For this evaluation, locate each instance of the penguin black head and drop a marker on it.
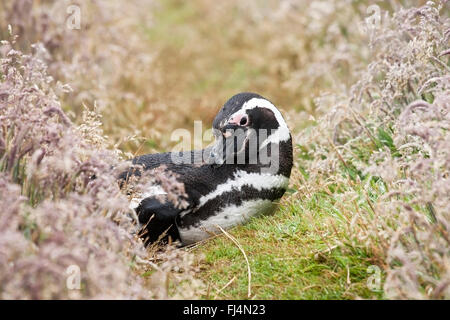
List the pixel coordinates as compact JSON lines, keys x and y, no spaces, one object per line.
{"x":246,"y":123}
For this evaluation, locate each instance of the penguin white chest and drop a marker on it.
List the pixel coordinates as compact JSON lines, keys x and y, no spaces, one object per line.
{"x":228,"y":217}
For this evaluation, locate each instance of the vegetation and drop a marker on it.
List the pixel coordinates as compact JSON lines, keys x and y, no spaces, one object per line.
{"x":365,"y":87}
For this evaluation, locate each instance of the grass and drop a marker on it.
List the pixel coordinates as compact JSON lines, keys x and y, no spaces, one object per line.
{"x":177,"y":63}
{"x":306,"y":250}
{"x":290,"y":258}
{"x":303,"y":251}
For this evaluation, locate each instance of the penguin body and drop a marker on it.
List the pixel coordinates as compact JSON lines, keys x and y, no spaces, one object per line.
{"x":230,"y":184}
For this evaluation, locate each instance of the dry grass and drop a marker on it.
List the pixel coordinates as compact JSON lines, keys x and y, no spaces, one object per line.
{"x":63,"y":217}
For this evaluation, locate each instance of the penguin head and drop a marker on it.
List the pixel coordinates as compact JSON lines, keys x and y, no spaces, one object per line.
{"x":246,"y":123}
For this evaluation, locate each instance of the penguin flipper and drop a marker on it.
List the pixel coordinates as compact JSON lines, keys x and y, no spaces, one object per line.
{"x":158,"y":220}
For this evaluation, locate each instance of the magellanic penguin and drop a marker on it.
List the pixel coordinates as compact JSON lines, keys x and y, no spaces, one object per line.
{"x":241,"y":175}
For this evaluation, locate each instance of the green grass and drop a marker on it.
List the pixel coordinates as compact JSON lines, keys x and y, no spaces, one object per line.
{"x":290,"y":258}
{"x":306,"y":250}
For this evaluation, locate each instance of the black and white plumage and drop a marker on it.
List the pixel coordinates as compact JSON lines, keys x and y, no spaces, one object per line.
{"x":233,"y":183}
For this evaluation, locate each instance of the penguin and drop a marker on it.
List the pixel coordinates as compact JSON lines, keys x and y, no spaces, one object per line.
{"x":241,"y":175}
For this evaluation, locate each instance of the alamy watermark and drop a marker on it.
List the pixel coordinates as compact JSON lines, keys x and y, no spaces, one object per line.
{"x":73,"y":20}
{"x":373,"y":20}
{"x":73,"y":280}
{"x":374,"y":281}
{"x":230,"y":146}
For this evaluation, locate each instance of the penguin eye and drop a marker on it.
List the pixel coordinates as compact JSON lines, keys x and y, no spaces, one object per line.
{"x":244,"y":121}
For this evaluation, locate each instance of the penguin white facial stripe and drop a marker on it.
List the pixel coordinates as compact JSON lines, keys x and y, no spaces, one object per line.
{"x":226,"y":218}
{"x":241,"y":178}
{"x":279,"y":135}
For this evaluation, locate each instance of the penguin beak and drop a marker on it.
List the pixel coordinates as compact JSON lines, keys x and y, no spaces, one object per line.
{"x":229,"y":141}
{"x":217,"y":154}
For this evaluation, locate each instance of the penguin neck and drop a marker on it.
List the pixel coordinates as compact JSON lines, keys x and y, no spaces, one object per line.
{"x":274,"y":158}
